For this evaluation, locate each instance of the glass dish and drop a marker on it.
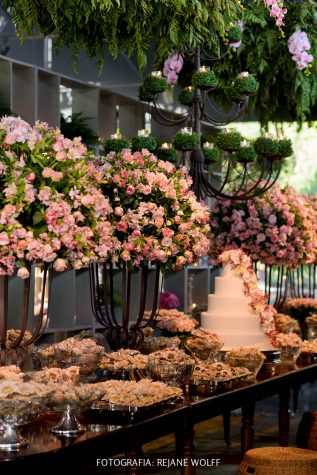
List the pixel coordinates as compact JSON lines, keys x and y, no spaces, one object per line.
{"x":252,"y":364}
{"x":171,"y":373}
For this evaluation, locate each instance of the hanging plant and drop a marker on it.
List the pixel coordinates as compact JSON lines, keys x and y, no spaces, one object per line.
{"x":146,"y":142}
{"x":154,"y":85}
{"x":228,"y":140}
{"x":166,"y":154}
{"x":115,"y":144}
{"x":266,"y":147}
{"x":183,"y":141}
{"x":246,"y":84}
{"x":245,"y":155}
{"x":285,"y":148}
{"x":234,"y":34}
{"x":186,"y":96}
{"x":211,"y":154}
{"x":204,"y":79}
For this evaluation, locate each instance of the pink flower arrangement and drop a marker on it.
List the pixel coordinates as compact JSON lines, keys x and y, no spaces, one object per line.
{"x":298,"y":46}
{"x":278,"y":228}
{"x":156,"y":217}
{"x":172,"y":66}
{"x":241,"y":265}
{"x":182,"y":324}
{"x":51,"y":209}
{"x":277,"y":11}
{"x":169,"y":300}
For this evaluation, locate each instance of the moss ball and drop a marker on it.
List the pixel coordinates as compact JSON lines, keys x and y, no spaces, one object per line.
{"x":138,"y":143}
{"x":246,"y":85}
{"x":166,"y":154}
{"x":186,"y":141}
{"x":228,"y":141}
{"x":285,"y":148}
{"x":154,"y":85}
{"x":204,"y":79}
{"x":145,"y":95}
{"x":266,"y":147}
{"x":245,"y":155}
{"x":211,"y":155}
{"x":186,"y":96}
{"x":234,"y":34}
{"x":115,"y":145}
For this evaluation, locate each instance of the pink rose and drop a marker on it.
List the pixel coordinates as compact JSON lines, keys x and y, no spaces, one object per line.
{"x":60,"y":265}
{"x":23,"y":273}
{"x":130,"y":189}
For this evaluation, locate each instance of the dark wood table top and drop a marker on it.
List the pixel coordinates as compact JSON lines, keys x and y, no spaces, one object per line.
{"x":110,"y":435}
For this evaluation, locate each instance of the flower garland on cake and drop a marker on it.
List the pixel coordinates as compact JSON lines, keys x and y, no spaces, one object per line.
{"x":241,"y":265}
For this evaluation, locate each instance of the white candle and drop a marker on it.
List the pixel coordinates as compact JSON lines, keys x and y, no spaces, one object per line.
{"x":208,"y":145}
{"x":245,"y":74}
{"x":143,"y":133}
{"x":165,"y":145}
{"x":189,"y":88}
{"x":244,"y":144}
{"x":204,"y":69}
{"x":156,"y":74}
{"x":115,"y":136}
{"x":187,"y":130}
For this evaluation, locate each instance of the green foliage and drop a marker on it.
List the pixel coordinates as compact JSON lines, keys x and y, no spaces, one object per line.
{"x":125,"y":25}
{"x":144,"y":142}
{"x":285,"y":148}
{"x":144,"y":95}
{"x":186,"y":96}
{"x":167,"y":154}
{"x":246,"y":85}
{"x":245,"y":155}
{"x":228,"y":141}
{"x":186,"y":141}
{"x":115,"y":145}
{"x":154,"y":85}
{"x":234,"y":34}
{"x":206,"y":79}
{"x":285,"y":93}
{"x":266,"y":147}
{"x":211,"y":155}
{"x":76,"y":126}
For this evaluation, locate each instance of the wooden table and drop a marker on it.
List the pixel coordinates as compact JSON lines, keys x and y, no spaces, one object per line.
{"x":103,"y":439}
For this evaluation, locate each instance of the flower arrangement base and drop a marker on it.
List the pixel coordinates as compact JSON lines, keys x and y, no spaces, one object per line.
{"x":15,"y":350}
{"x":123,"y":333}
{"x":68,"y":426}
{"x":11,"y":440}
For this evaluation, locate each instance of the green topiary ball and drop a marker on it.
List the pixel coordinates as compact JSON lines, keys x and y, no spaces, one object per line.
{"x":266,"y":147}
{"x":234,"y":96}
{"x":234,"y":34}
{"x":285,"y":148}
{"x":204,"y":79}
{"x":246,"y":84}
{"x":245,"y":155}
{"x":186,"y":141}
{"x":138,"y":143}
{"x":154,"y":84}
{"x":115,"y":145}
{"x":211,"y":155}
{"x":145,"y":95}
{"x":166,"y":154}
{"x":186,"y":96}
{"x":228,"y":140}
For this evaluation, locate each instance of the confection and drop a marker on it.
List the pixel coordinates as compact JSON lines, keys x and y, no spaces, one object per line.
{"x":231,"y":315}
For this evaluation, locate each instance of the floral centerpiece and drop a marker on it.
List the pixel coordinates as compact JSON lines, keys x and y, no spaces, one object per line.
{"x":300,"y":309}
{"x":155,"y":215}
{"x":51,"y":209}
{"x":277,"y":228}
{"x":241,"y":265}
{"x":177,"y":326}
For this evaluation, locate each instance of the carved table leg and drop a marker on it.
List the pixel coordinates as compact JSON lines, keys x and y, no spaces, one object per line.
{"x":226,"y":417}
{"x":247,"y":431}
{"x":284,"y":417}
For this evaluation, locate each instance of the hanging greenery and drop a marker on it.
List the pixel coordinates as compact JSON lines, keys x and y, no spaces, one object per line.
{"x":286,"y":93}
{"x":127,"y":26}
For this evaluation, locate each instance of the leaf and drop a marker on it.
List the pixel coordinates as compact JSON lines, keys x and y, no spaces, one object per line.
{"x":38,"y":217}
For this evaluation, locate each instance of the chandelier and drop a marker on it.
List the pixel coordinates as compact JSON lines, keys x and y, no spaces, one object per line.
{"x":239,"y":174}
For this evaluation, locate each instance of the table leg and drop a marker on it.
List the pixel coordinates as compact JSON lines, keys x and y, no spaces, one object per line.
{"x":226,"y":418}
{"x":133,"y":454}
{"x":296,"y":390}
{"x":184,"y":441}
{"x":247,"y":431}
{"x":284,"y":417}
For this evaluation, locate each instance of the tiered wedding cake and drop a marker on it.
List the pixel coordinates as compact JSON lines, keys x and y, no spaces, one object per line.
{"x":238,"y":311}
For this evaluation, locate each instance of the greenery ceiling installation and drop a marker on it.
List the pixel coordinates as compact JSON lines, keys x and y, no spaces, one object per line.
{"x":136,"y":26}
{"x":128,"y":26}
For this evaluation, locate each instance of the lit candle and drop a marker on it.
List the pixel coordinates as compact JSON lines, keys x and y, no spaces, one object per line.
{"x":165,"y":145}
{"x":189,"y":88}
{"x":208,"y":145}
{"x":204,"y":69}
{"x":115,"y":136}
{"x":143,"y":133}
{"x":244,"y":144}
{"x":268,"y":136}
{"x":156,"y":74}
{"x":187,"y":130}
{"x":245,"y":74}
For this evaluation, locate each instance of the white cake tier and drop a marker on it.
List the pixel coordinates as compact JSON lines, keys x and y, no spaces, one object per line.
{"x":234,"y":333}
{"x":226,"y":306}
{"x":229,"y":287}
